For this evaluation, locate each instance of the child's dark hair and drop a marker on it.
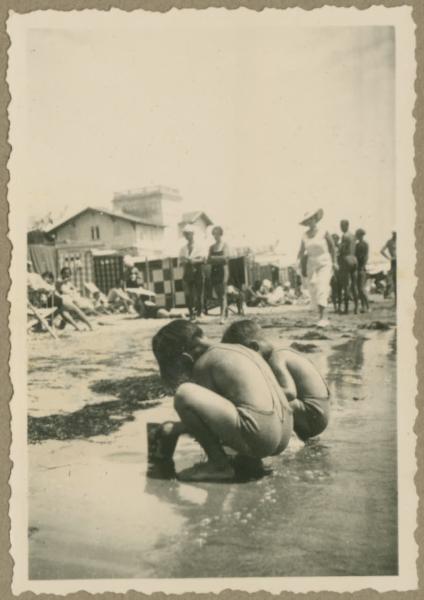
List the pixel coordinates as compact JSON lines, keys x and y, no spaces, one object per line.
{"x":169,"y":344}
{"x":242,"y":332}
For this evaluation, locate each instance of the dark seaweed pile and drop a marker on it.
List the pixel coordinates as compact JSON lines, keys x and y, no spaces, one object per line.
{"x":134,"y":393}
{"x":305,"y":347}
{"x":376,"y":325}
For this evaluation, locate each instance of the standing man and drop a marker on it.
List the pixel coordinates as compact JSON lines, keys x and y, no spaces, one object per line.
{"x":361,"y":253}
{"x":390,"y":247}
{"x":192,"y":259}
{"x":348,"y":266}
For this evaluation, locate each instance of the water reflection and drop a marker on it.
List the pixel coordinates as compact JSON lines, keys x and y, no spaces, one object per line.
{"x":345,"y":365}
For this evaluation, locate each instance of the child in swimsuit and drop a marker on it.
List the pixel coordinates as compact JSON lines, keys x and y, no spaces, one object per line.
{"x":303,"y":386}
{"x":232,"y":399}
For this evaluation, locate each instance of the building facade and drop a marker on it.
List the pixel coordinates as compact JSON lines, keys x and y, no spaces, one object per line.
{"x":98,"y":228}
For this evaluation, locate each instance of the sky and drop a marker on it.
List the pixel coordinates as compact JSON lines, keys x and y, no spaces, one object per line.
{"x":254,"y":123}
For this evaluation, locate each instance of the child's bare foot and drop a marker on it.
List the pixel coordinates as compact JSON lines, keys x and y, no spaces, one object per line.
{"x":207,"y":472}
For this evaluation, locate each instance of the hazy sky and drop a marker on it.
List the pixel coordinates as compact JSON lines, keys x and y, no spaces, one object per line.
{"x":253,"y":124}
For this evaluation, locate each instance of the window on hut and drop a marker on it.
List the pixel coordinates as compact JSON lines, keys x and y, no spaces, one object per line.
{"x":95,"y":232}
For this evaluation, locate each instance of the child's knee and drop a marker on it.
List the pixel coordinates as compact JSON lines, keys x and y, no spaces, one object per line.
{"x":183,"y":396}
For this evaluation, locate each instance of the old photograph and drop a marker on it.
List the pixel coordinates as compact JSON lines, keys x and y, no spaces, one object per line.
{"x":212,"y":300}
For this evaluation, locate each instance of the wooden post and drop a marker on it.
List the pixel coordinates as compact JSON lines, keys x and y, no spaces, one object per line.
{"x":148,"y":275}
{"x":173,"y":293}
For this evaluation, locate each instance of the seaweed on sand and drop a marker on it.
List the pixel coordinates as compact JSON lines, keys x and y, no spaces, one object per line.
{"x":377,"y":325}
{"x":312,"y":335}
{"x":305,"y":347}
{"x":134,"y":393}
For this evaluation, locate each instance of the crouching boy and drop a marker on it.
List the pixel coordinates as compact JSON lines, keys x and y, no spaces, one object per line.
{"x":301,"y":382}
{"x":232,"y":399}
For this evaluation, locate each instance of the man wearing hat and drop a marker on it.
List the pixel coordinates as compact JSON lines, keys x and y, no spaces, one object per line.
{"x":317,"y":258}
{"x":192,"y":259}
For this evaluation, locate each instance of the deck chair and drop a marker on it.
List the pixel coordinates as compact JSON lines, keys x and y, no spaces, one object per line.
{"x":98,"y":298}
{"x":232,"y":305}
{"x":40,"y":315}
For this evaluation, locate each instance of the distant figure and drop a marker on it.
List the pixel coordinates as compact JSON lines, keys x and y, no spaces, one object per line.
{"x":65,"y":302}
{"x":317,"y":257}
{"x":276,"y":296}
{"x":218,"y":259}
{"x":134,"y":278}
{"x":336,"y":289}
{"x":251,"y":294}
{"x":66,"y":288}
{"x":348,"y":266}
{"x":192,"y":259}
{"x":361,"y":253}
{"x":390,"y":247}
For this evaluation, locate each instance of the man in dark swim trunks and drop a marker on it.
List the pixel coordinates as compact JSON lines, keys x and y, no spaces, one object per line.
{"x":336,"y":291}
{"x":348,"y":270}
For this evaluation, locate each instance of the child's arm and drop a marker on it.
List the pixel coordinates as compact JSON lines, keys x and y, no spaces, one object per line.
{"x":282,"y":375}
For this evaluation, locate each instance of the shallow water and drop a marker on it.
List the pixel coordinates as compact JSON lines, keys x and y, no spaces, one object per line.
{"x":329,"y":508}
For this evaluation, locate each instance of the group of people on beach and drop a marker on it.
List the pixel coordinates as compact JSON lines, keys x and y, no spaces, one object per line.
{"x":338,"y":263}
{"x":71,"y":308}
{"x":244,"y":394}
{"x":204,"y":269}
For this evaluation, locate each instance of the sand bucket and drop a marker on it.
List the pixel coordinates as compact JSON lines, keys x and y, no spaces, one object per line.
{"x":153,"y":440}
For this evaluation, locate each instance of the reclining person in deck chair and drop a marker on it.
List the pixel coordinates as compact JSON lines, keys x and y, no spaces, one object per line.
{"x":42,"y":294}
{"x":65,"y":287}
{"x":65,"y":303}
{"x":119,"y":299}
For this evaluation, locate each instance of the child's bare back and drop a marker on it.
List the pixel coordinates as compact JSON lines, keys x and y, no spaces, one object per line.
{"x":240,"y":375}
{"x":301,"y":382}
{"x":309,"y":382}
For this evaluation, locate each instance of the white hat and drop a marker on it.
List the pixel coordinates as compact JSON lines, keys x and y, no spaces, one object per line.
{"x":318,"y":213}
{"x":189,"y":228}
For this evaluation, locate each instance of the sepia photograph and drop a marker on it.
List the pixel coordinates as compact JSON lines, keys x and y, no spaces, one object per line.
{"x":212,"y":300}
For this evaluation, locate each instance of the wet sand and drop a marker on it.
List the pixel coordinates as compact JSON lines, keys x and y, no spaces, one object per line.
{"x":328,"y":508}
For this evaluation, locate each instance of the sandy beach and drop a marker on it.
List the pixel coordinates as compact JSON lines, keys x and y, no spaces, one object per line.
{"x":94,"y":512}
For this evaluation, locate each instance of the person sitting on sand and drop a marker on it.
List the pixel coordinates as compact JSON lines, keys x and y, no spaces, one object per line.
{"x":276,"y":295}
{"x":301,"y":382}
{"x":118,"y":298}
{"x":252,"y":294}
{"x":232,"y":399}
